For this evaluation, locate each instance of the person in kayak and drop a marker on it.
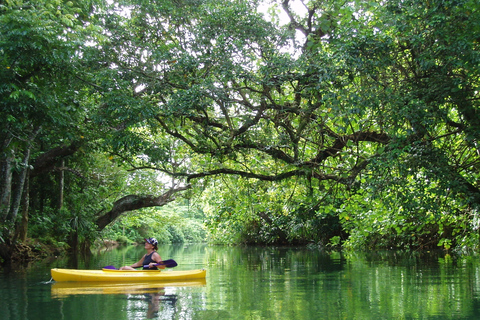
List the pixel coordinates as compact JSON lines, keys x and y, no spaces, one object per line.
{"x":149,"y":260}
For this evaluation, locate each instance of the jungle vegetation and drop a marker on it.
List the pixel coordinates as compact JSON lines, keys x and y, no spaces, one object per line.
{"x":349,"y":124}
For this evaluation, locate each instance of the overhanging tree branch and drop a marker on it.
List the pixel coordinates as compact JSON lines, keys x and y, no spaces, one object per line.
{"x":135,"y":202}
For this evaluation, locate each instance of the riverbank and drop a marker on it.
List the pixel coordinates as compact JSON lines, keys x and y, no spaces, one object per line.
{"x":32,"y":250}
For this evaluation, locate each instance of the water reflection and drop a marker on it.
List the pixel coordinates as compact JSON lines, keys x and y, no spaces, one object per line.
{"x":259,"y":283}
{"x":143,"y":300}
{"x":61,"y":290}
{"x":152,"y":305}
{"x":168,"y":302}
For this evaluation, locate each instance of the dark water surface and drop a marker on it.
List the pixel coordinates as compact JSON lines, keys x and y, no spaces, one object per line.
{"x":257,"y":283}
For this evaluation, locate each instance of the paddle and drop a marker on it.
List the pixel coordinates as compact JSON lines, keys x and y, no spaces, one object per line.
{"x":170,"y":263}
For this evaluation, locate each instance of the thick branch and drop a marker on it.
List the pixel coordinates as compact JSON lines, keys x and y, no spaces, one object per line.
{"x":46,"y":162}
{"x":278,"y":177}
{"x":341,"y":142}
{"x":243,"y":174}
{"x":134,"y":202}
{"x":293,"y":22}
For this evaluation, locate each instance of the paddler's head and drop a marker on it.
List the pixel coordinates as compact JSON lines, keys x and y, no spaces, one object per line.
{"x":153,"y":242}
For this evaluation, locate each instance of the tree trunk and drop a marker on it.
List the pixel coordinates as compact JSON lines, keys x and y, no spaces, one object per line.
{"x":6,"y":180}
{"x":20,"y":183}
{"x":23,"y":226}
{"x":61,"y":183}
{"x":134,"y":202}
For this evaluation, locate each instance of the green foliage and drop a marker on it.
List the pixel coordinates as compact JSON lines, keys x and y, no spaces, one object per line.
{"x":388,"y":216}
{"x":356,"y":124}
{"x":261,"y":213}
{"x":395,"y":69}
{"x":123,"y":240}
{"x":170,"y":224}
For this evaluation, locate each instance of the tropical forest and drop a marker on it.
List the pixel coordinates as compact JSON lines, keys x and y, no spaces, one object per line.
{"x":344,"y":125}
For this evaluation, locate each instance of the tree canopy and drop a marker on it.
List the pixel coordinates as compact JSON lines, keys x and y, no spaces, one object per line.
{"x":339,"y":123}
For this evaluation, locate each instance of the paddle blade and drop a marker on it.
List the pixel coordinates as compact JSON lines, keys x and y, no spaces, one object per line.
{"x":170,"y":263}
{"x":110,"y":267}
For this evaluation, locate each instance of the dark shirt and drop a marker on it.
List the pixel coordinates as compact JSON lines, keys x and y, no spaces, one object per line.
{"x":148,"y":259}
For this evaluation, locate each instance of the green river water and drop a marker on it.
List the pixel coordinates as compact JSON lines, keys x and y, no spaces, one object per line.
{"x":258,"y":283}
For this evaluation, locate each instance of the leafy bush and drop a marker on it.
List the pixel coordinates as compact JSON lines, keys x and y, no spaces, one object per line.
{"x":123,"y":240}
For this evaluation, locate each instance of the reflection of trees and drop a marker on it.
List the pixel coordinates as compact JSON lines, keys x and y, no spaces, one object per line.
{"x":297,"y":283}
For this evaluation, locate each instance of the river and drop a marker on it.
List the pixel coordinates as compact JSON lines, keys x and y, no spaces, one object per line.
{"x":257,"y":283}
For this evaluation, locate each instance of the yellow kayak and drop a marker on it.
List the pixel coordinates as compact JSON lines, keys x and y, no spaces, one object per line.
{"x":108,"y":275}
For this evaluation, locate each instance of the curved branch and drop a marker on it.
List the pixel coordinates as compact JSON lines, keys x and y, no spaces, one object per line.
{"x":293,"y":22}
{"x":243,"y":174}
{"x":134,"y":202}
{"x":341,"y":142}
{"x":46,"y":161}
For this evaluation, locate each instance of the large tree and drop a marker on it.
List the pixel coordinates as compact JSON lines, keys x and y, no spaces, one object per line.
{"x":51,"y":124}
{"x":335,"y":96}
{"x":39,"y":40}
{"x":359,"y":115}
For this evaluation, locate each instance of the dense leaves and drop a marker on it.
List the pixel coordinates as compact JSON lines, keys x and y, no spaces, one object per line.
{"x":350,"y":124}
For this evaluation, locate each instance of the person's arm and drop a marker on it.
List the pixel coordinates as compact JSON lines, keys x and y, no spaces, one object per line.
{"x":156,"y":257}
{"x":135,"y":265}
{"x":139,"y":263}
